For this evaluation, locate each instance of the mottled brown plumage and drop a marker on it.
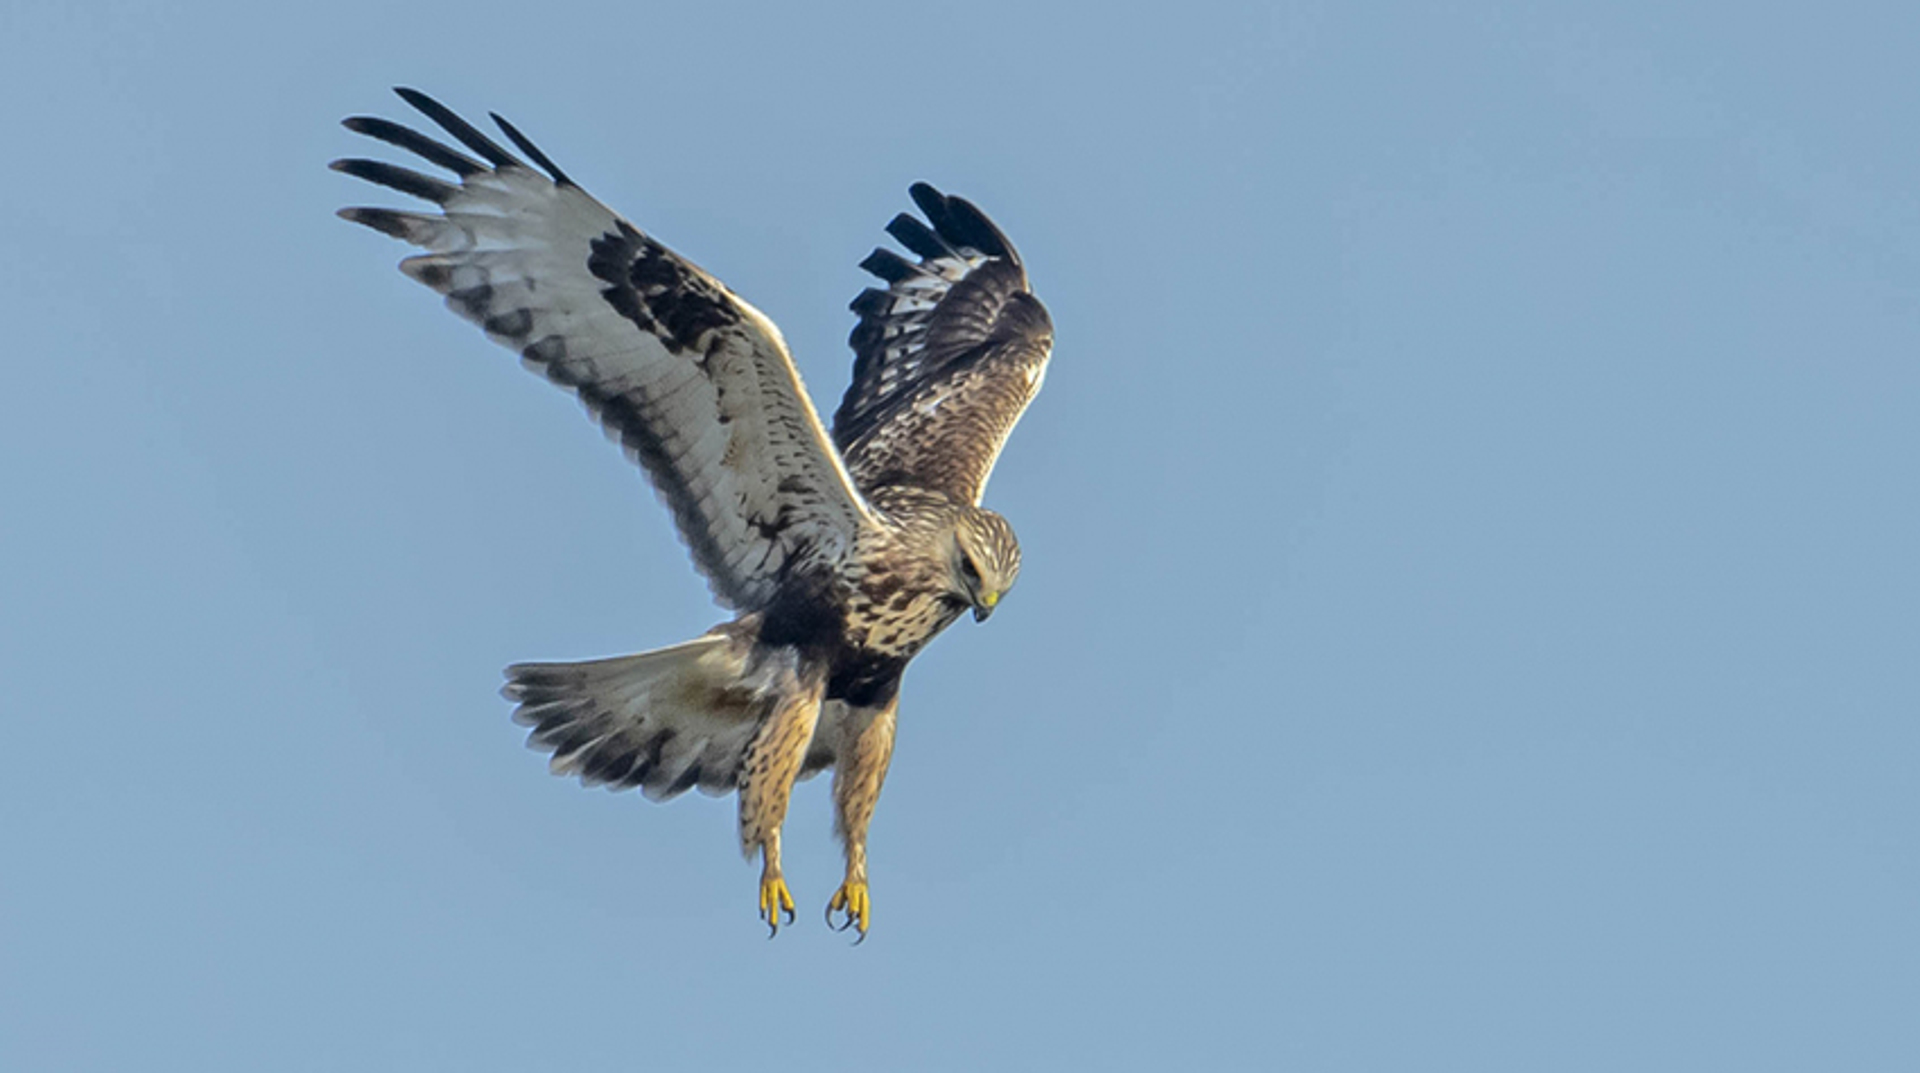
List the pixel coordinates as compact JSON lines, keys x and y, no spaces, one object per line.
{"x":843,"y":556}
{"x":946,"y":358}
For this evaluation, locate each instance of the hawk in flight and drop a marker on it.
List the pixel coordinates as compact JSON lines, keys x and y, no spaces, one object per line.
{"x":842,"y":554}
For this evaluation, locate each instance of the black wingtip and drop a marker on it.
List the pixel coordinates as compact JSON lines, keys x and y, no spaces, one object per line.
{"x":872,"y":302}
{"x":931,"y":201}
{"x":467,"y":134}
{"x":960,"y":223}
{"x":385,"y":221}
{"x":532,"y":150}
{"x":398,"y":178}
{"x":386,"y":130}
{"x":888,"y":265}
{"x":420,"y":101}
{"x":916,"y":236}
{"x":937,"y":208}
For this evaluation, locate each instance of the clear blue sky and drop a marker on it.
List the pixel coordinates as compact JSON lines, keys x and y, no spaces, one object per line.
{"x":1470,"y":617}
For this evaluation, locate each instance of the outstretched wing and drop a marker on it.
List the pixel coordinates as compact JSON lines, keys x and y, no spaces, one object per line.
{"x":946,"y":358}
{"x":695,"y":383}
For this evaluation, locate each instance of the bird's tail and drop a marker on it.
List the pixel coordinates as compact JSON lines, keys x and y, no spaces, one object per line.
{"x":665,"y":720}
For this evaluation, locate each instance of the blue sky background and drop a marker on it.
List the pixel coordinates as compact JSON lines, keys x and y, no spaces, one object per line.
{"x":1470,"y":617}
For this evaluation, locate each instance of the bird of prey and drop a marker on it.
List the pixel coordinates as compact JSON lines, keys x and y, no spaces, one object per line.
{"x":841,"y":555}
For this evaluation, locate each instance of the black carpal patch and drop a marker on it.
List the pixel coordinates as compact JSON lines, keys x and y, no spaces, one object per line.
{"x":610,"y":255}
{"x":627,"y":303}
{"x":653,"y":272}
{"x":688,"y":314}
{"x":656,"y":291}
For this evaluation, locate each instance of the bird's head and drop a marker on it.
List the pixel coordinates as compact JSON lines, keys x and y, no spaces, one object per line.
{"x":985,"y":560}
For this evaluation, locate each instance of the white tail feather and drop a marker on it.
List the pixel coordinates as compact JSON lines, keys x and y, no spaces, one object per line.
{"x":664,"y":721}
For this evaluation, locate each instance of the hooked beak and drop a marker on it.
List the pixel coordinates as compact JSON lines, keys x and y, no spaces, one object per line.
{"x":988,"y":601}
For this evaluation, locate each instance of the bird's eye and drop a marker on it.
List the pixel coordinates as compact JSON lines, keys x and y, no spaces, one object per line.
{"x":967,"y":568}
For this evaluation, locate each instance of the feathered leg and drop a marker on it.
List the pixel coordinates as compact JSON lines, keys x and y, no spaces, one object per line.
{"x":864,"y":750}
{"x":772,"y":762}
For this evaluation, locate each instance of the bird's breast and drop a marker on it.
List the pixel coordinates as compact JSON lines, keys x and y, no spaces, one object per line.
{"x":895,"y":614}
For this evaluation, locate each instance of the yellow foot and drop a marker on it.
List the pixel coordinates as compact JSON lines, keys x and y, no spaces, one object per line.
{"x":852,"y":900}
{"x":775,"y":900}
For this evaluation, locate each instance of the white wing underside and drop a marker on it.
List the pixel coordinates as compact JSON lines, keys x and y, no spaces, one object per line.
{"x":696,"y":384}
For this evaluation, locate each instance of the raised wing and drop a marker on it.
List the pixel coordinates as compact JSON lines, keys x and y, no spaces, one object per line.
{"x":694,"y":383}
{"x":946,"y":358}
